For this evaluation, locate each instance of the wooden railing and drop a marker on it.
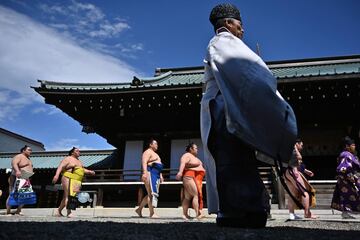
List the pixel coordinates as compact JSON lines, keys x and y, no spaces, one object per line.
{"x":121,"y":175}
{"x":132,"y":176}
{"x":129,"y":180}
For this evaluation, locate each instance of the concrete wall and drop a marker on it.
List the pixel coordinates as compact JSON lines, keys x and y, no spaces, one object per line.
{"x":12,"y":144}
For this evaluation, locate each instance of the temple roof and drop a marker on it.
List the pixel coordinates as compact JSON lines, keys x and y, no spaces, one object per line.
{"x":51,"y":159}
{"x":192,"y":76}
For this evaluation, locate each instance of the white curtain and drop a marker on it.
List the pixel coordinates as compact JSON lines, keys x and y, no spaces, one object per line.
{"x":178,"y":149}
{"x":132,"y":158}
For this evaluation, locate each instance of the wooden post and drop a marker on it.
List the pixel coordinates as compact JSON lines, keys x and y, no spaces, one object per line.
{"x":42,"y":195}
{"x":95,"y":198}
{"x":281,"y":195}
{"x":100,"y":197}
{"x":279,"y":189}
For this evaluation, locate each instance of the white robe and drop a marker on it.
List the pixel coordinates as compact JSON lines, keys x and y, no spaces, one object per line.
{"x":255,"y":112}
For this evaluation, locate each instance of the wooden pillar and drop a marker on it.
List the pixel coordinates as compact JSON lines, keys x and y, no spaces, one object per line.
{"x":279,"y":189}
{"x":95,"y":198}
{"x":42,"y":196}
{"x":100,"y":197}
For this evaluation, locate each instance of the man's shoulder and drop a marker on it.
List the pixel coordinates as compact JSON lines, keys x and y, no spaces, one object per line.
{"x":186,"y":155}
{"x":346,"y":154}
{"x":18,"y":156}
{"x":148,"y":151}
{"x":223,"y":35}
{"x":67,"y":158}
{"x":221,"y":41}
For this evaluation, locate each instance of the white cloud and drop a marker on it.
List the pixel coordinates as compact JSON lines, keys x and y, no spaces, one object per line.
{"x":46,"y":109}
{"x":92,"y":12}
{"x":66,"y":143}
{"x":11,"y":103}
{"x":20,"y":2}
{"x":39,"y":110}
{"x":31,"y":51}
{"x":137,"y":47}
{"x":128,"y":50}
{"x":59,"y":26}
{"x":53,"y":9}
{"x":84,"y":19}
{"x":53,"y":110}
{"x":90,"y":27}
{"x":107,"y":30}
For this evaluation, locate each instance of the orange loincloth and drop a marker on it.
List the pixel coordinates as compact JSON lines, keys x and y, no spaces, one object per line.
{"x":198,"y":177}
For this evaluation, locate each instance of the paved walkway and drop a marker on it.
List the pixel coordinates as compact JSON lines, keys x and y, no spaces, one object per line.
{"x":123,"y":223}
{"x":166,"y":214}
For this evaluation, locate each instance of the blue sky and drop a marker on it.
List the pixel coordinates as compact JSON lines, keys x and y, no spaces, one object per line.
{"x":111,"y":41}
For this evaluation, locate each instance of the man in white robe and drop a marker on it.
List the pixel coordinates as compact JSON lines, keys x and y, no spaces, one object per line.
{"x":241,"y":111}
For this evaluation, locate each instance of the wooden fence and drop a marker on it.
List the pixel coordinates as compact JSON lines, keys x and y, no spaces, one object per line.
{"x":124,"y":186}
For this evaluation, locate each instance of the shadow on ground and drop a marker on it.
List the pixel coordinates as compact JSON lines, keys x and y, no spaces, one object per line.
{"x":148,"y":231}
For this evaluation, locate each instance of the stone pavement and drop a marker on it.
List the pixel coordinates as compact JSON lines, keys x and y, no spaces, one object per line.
{"x":168,"y":214}
{"x":123,"y":223}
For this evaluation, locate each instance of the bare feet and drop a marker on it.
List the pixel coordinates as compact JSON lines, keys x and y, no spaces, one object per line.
{"x":186,"y":217}
{"x":311,"y":216}
{"x":19,"y":213}
{"x":201,"y":216}
{"x":154,"y":216}
{"x":58,"y":213}
{"x":138,"y":211}
{"x":70,"y":215}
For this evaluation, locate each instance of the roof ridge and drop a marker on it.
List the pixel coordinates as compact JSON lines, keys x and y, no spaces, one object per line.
{"x":312,"y":64}
{"x":47,"y":82}
{"x":193,"y":75}
{"x":155,"y":78}
{"x":60,"y":152}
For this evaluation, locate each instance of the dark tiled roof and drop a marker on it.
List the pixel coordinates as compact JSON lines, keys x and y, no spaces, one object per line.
{"x":193,"y":76}
{"x":52,"y":159}
{"x":319,"y":70}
